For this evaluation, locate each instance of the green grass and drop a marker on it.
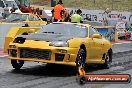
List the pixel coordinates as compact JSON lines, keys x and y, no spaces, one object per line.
{"x":120,"y":5}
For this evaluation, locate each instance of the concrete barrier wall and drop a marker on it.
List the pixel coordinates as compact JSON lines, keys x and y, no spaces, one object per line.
{"x":112,"y":17}
{"x":14,"y":31}
{"x":4,"y":28}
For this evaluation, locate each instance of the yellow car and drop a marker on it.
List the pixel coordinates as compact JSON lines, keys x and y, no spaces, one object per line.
{"x":62,"y":43}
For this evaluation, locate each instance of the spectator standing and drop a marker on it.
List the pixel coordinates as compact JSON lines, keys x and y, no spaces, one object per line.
{"x":58,"y":11}
{"x":77,"y":18}
{"x":38,"y":12}
{"x":66,"y":16}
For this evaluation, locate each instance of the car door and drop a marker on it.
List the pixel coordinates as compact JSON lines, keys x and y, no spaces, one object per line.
{"x":90,"y":46}
{"x":97,"y":45}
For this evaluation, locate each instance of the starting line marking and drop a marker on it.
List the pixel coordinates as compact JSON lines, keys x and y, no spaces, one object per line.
{"x":121,"y":43}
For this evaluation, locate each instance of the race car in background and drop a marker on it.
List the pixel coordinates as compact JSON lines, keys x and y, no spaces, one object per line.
{"x":14,"y":22}
{"x":62,"y":43}
{"x":29,"y":18}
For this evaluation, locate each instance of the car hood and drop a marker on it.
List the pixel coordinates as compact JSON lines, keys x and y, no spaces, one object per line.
{"x":47,"y":37}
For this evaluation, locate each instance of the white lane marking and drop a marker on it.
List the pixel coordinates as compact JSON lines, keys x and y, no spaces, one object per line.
{"x":121,"y":43}
{"x":3,"y":56}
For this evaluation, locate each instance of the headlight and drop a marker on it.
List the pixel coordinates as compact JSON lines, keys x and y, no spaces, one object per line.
{"x":59,"y":44}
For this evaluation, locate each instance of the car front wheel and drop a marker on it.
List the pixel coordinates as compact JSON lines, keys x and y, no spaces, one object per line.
{"x":81,"y":58}
{"x":17,"y":64}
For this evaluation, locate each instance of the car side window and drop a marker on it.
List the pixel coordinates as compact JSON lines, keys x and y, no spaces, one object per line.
{"x":92,"y":31}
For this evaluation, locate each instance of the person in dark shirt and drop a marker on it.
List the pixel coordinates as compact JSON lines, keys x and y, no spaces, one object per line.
{"x":66,"y":15}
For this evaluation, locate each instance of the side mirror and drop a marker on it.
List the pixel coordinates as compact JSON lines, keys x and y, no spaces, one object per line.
{"x":96,"y":36}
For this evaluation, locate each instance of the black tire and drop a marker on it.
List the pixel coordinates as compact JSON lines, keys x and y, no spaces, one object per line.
{"x":81,"y":58}
{"x":17,"y":64}
{"x":51,"y":65}
{"x":108,"y":61}
{"x":81,"y":80}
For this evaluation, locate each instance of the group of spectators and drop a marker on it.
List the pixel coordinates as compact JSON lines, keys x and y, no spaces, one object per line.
{"x":60,"y":14}
{"x":28,"y":9}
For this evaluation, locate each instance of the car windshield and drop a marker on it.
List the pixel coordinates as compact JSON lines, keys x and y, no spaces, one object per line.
{"x":16,"y":17}
{"x":65,"y":29}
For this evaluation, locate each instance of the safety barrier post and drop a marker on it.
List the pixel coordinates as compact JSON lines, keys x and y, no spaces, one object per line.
{"x":116,"y":36}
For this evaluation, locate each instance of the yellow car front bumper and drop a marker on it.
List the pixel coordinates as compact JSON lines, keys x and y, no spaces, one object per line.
{"x":58,"y":55}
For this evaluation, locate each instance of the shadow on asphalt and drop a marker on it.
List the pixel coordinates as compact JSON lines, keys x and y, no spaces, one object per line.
{"x":52,"y":70}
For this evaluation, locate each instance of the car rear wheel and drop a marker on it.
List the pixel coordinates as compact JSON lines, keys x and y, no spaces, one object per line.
{"x":17,"y":64}
{"x":81,"y":58}
{"x":108,"y":61}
